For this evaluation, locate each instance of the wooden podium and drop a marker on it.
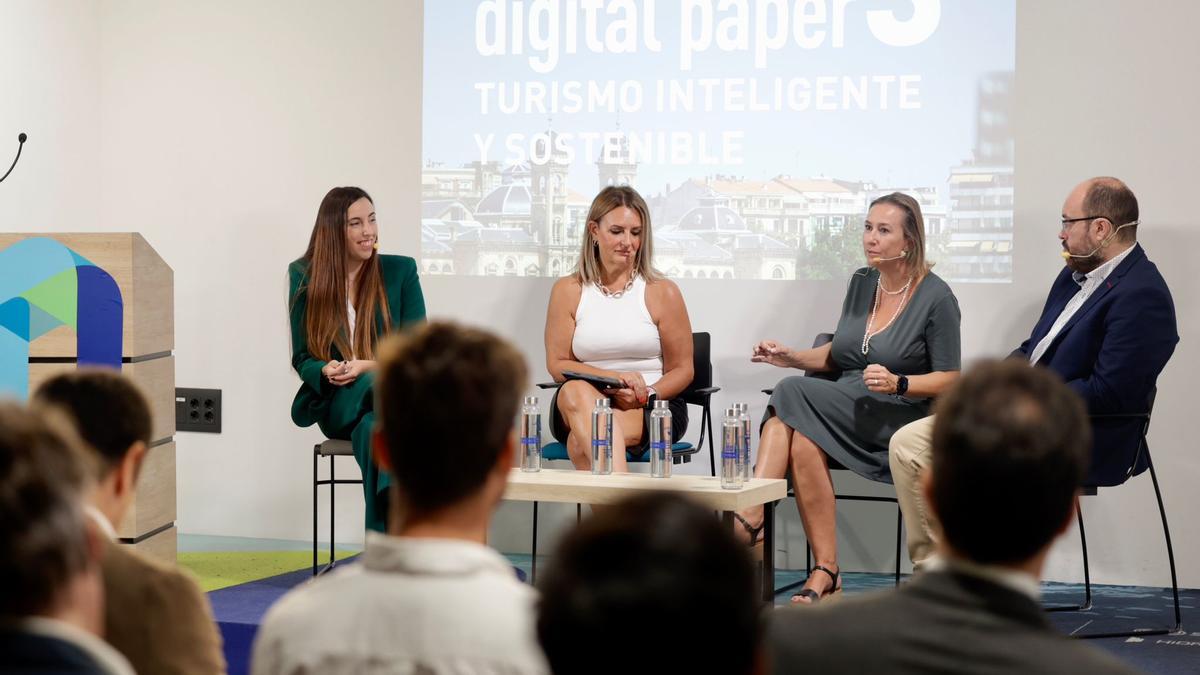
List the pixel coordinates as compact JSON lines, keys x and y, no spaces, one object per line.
{"x":98,"y":299}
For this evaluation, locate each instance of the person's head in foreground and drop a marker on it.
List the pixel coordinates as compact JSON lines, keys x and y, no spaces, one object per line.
{"x":49,"y":556}
{"x":640,"y":570}
{"x":446,"y":402}
{"x":1011,"y":445}
{"x":113,"y":419}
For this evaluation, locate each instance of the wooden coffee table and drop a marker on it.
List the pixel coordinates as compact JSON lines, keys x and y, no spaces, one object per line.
{"x":582,"y":487}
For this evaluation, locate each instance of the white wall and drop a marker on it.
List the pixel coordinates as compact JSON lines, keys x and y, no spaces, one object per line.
{"x":215,"y":128}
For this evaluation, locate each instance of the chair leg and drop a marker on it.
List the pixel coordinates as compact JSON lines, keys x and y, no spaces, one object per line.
{"x":1162,"y":512}
{"x":706,"y":423}
{"x":1141,"y":632}
{"x":1087,"y":569}
{"x":1087,"y":572}
{"x":899,"y":525}
{"x":314,"y":509}
{"x":332,"y":505}
{"x":533,"y":547}
{"x":578,"y":513}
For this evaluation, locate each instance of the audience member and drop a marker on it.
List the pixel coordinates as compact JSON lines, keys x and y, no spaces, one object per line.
{"x":1010,"y":448}
{"x":155,"y":613}
{"x":51,"y":594}
{"x":429,"y":596}
{"x":650,"y":567}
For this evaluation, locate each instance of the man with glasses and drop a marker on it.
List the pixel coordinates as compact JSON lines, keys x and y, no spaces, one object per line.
{"x":1107,"y":329}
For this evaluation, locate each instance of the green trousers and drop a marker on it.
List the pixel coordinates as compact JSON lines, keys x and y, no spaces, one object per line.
{"x":351,"y":417}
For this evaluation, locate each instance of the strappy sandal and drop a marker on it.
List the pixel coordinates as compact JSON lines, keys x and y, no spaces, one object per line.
{"x":815,"y":597}
{"x":754,"y":532}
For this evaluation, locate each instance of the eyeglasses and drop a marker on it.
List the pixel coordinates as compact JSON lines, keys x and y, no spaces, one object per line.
{"x":1067,"y":222}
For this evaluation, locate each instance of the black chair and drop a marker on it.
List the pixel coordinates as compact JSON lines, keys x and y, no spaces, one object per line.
{"x":1141,"y":458}
{"x":834,"y":465}
{"x":699,"y":393}
{"x":331,"y":449}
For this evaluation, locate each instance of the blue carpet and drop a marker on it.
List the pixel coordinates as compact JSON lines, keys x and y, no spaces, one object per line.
{"x":240,"y":609}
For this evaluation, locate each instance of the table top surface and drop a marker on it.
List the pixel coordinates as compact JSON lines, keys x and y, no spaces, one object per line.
{"x":583,"y":487}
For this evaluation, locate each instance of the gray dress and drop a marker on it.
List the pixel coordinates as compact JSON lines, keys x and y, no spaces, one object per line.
{"x":850,"y":423}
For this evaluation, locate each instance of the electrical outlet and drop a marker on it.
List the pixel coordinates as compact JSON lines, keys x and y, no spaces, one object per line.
{"x":198,"y":410}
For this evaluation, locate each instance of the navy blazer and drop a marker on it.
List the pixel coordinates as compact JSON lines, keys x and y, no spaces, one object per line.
{"x":1110,"y":353}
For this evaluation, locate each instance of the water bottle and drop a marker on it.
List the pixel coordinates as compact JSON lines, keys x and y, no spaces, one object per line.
{"x":602,"y":429}
{"x":531,"y":435}
{"x":660,"y":440}
{"x":744,"y":420}
{"x":731,"y":451}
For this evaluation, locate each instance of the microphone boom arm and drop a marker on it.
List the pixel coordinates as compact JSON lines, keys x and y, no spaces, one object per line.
{"x":20,"y":144}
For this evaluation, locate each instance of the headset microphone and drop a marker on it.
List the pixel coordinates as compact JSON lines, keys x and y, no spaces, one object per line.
{"x":903,"y":254}
{"x":1067,"y":255}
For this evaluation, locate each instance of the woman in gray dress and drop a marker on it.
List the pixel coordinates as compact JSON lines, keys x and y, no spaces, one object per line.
{"x":896,"y":346}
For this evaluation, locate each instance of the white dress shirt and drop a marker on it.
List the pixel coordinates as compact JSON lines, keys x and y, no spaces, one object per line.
{"x":1088,"y":283}
{"x":1013,"y":579}
{"x":411,"y":605}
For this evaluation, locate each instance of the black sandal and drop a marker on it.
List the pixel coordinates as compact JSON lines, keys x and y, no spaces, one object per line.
{"x":752,"y":531}
{"x":815,"y":597}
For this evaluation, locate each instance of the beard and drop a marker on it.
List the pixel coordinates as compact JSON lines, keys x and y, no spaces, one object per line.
{"x":1087,"y":264}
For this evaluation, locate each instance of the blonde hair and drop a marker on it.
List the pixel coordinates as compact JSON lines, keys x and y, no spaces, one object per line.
{"x":914,"y":230}
{"x":589,"y":266}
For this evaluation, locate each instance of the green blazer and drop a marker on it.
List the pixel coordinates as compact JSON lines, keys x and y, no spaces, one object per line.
{"x":315,"y":401}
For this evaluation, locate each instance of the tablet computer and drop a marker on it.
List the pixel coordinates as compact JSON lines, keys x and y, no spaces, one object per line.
{"x":598,"y":381}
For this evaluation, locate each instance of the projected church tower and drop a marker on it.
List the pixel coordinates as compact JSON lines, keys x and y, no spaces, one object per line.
{"x":550,"y":217}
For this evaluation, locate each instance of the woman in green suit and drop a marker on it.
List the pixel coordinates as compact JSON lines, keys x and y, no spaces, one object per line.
{"x":344,"y":298}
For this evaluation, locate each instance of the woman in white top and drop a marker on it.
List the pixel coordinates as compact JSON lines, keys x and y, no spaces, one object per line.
{"x":618,"y":317}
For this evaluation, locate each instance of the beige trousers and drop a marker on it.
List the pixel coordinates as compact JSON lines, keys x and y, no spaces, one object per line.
{"x":909,"y":455}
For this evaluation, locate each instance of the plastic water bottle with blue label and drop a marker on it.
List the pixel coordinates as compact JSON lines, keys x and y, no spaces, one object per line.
{"x":531,"y":435}
{"x":660,"y":440}
{"x":744,"y":420}
{"x":602,"y":429}
{"x":731,"y":451}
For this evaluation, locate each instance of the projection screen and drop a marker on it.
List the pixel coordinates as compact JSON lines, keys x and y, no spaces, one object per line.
{"x":757,"y":130}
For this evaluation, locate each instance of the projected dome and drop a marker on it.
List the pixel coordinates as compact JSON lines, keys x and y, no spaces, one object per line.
{"x":512,"y":199}
{"x":713,"y":215}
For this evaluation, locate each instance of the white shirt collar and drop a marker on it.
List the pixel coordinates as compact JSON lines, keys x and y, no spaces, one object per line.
{"x":101,"y":521}
{"x":424,"y":555}
{"x":109,"y":659}
{"x":1101,"y":273}
{"x":1012,"y":579}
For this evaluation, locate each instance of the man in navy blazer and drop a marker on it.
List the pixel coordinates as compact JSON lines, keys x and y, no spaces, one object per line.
{"x":1107,"y":328}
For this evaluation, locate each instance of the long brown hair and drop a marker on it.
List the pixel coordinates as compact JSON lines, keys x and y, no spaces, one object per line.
{"x":589,"y":267}
{"x":326,"y":320}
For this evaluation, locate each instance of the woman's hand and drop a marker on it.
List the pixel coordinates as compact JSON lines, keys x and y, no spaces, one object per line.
{"x":632,"y":394}
{"x":879,"y":379}
{"x":772,"y":352}
{"x":333,"y":368}
{"x":349,"y":371}
{"x":625,"y":399}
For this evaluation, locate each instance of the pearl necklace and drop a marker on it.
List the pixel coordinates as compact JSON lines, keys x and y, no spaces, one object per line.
{"x":616,"y":294}
{"x":879,"y":291}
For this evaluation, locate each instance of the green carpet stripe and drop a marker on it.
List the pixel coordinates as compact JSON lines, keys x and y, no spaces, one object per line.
{"x":222,"y":569}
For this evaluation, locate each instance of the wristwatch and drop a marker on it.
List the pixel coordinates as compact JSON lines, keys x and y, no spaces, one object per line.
{"x":651,"y":395}
{"x":901,"y":385}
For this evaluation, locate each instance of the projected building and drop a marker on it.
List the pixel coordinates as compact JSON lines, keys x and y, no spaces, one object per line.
{"x":522,"y":220}
{"x":979,"y":246}
{"x":525,"y":220}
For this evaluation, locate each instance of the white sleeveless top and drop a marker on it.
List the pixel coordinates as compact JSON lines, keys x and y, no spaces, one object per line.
{"x":618,"y":333}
